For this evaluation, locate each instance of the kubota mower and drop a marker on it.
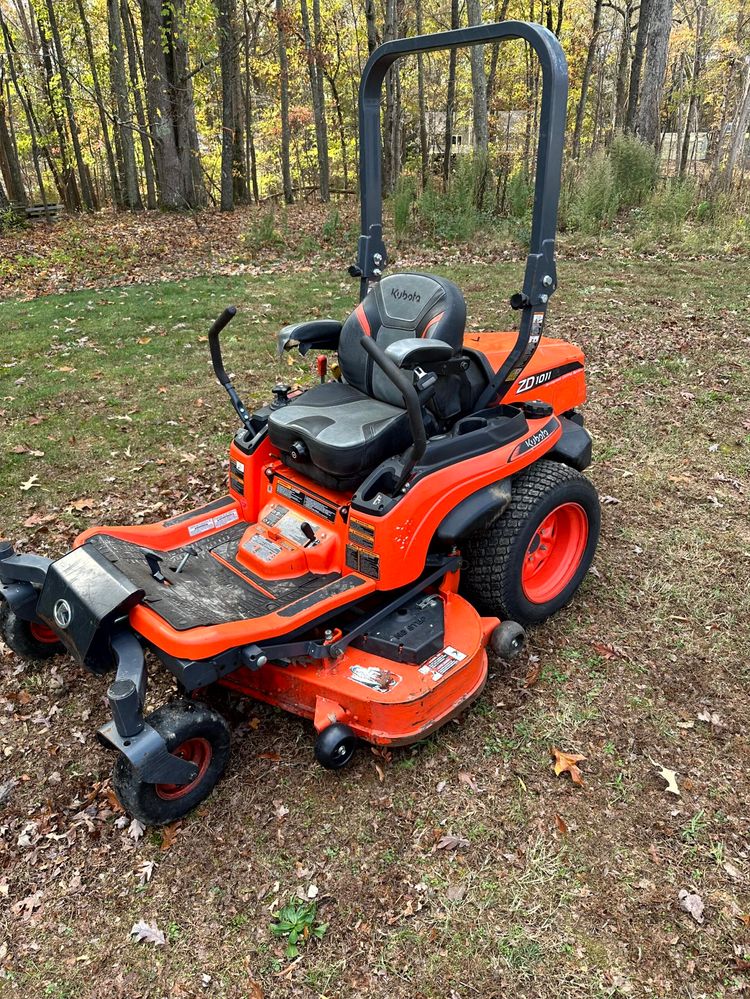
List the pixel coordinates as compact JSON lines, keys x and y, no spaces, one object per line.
{"x":380,"y":529}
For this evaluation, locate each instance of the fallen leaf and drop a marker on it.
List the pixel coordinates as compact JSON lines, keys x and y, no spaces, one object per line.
{"x":566,"y":763}
{"x":82,"y":504}
{"x":692,"y":904}
{"x":273,"y":757}
{"x":710,"y":718}
{"x":533,"y":674}
{"x":144,"y":932}
{"x":670,"y":777}
{"x":169,"y":835}
{"x":562,"y":825}
{"x":732,"y":871}
{"x":451,"y":842}
{"x":468,"y":780}
{"x":145,"y":871}
{"x":136,"y":830}
{"x":456,"y":893}
{"x":30,"y":483}
{"x":280,"y":808}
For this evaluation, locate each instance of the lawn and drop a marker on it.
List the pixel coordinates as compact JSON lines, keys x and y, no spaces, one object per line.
{"x":110,"y":414}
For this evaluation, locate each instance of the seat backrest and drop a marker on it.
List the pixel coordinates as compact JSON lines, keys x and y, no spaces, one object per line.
{"x":399,"y":306}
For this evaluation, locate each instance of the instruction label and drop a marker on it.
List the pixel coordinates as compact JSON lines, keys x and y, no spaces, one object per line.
{"x":212,"y":523}
{"x":441,"y":663}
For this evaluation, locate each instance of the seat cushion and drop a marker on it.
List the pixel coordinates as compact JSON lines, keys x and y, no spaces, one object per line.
{"x":345,"y":431}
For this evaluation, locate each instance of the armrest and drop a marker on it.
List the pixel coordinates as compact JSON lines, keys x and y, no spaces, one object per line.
{"x":411,"y":352}
{"x":321,"y":333}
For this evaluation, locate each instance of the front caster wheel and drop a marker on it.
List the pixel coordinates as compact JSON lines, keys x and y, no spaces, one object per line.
{"x":335,"y":746}
{"x":508,"y":640}
{"x":193,"y":732}
{"x":31,"y":640}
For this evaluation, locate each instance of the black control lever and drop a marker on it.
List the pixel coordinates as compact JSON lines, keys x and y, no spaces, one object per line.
{"x":216,"y":359}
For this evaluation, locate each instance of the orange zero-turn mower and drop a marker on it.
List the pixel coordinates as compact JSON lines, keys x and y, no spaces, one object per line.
{"x":380,"y":529}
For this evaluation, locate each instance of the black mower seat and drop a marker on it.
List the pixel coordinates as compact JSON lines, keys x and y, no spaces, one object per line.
{"x":339,"y":431}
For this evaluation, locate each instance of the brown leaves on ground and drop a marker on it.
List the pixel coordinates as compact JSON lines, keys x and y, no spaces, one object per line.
{"x":143,"y":932}
{"x":567,"y":763}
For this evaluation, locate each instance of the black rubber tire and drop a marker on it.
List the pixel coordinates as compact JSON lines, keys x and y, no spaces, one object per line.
{"x":508,"y":641}
{"x":491,"y":579}
{"x":175,"y":722}
{"x":18,"y":637}
{"x":335,"y":746}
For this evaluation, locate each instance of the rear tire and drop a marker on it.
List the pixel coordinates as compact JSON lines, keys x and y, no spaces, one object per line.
{"x":531,"y":561}
{"x":194,"y":732}
{"x":30,"y":640}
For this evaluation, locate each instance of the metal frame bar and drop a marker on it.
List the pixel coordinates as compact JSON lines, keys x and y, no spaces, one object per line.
{"x":540,"y":279}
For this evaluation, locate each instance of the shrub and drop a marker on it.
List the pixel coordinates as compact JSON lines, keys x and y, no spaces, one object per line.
{"x":402,"y":202}
{"x":262,"y":233}
{"x":331,"y":224}
{"x":453,"y":215}
{"x":669,"y":207}
{"x":595,"y":201}
{"x":11,"y":218}
{"x":635,"y":169}
{"x":519,"y":194}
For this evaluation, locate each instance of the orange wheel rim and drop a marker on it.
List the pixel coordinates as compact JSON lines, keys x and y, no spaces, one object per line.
{"x":554,"y":553}
{"x":197,"y":751}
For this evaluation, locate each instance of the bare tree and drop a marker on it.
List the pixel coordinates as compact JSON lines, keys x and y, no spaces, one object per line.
{"x":450,"y":102}
{"x":9,"y":164}
{"x":424,"y":153}
{"x":131,"y":195}
{"x":313,"y":56}
{"x":144,"y":129}
{"x":647,"y":126}
{"x":62,"y":67}
{"x":114,"y":179}
{"x":232,"y":171}
{"x":586,"y":78}
{"x":171,"y":108}
{"x":478,"y":81}
{"x":636,"y":65}
{"x":286,"y":170}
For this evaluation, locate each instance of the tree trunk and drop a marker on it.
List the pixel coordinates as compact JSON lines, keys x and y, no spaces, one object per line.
{"x":450,"y":102}
{"x":655,"y":65}
{"x":226,"y":14}
{"x":621,"y":84}
{"x":392,"y":112}
{"x":11,"y":168}
{"x":424,"y":153}
{"x":111,"y":166}
{"x":131,"y":195}
{"x":67,"y":185}
{"x":144,"y":130}
{"x":28,"y":113}
{"x":286,"y":170}
{"x":315,"y":72}
{"x":697,"y":70}
{"x":739,"y":130}
{"x":586,"y":79}
{"x":373,"y":38}
{"x":172,"y":112}
{"x":70,"y":109}
{"x":478,"y":81}
{"x":249,"y":123}
{"x":637,"y":64}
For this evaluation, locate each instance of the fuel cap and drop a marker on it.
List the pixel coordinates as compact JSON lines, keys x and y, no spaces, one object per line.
{"x":536,"y":409}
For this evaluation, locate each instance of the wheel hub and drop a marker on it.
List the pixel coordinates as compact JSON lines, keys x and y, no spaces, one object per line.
{"x":197,"y":751}
{"x":554,"y":553}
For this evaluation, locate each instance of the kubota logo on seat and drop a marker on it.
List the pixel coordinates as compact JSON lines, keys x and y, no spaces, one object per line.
{"x":402,"y":295}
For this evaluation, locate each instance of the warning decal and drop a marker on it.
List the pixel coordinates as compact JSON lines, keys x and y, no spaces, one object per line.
{"x":441,"y":663}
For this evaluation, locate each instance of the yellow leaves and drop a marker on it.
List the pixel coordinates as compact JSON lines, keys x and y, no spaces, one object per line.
{"x":567,"y":763}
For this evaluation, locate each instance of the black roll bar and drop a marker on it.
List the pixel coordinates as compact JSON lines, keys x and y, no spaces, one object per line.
{"x":540,"y":279}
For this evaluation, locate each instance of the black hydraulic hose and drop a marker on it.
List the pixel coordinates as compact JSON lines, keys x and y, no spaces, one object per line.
{"x":213,"y":342}
{"x":411,"y":401}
